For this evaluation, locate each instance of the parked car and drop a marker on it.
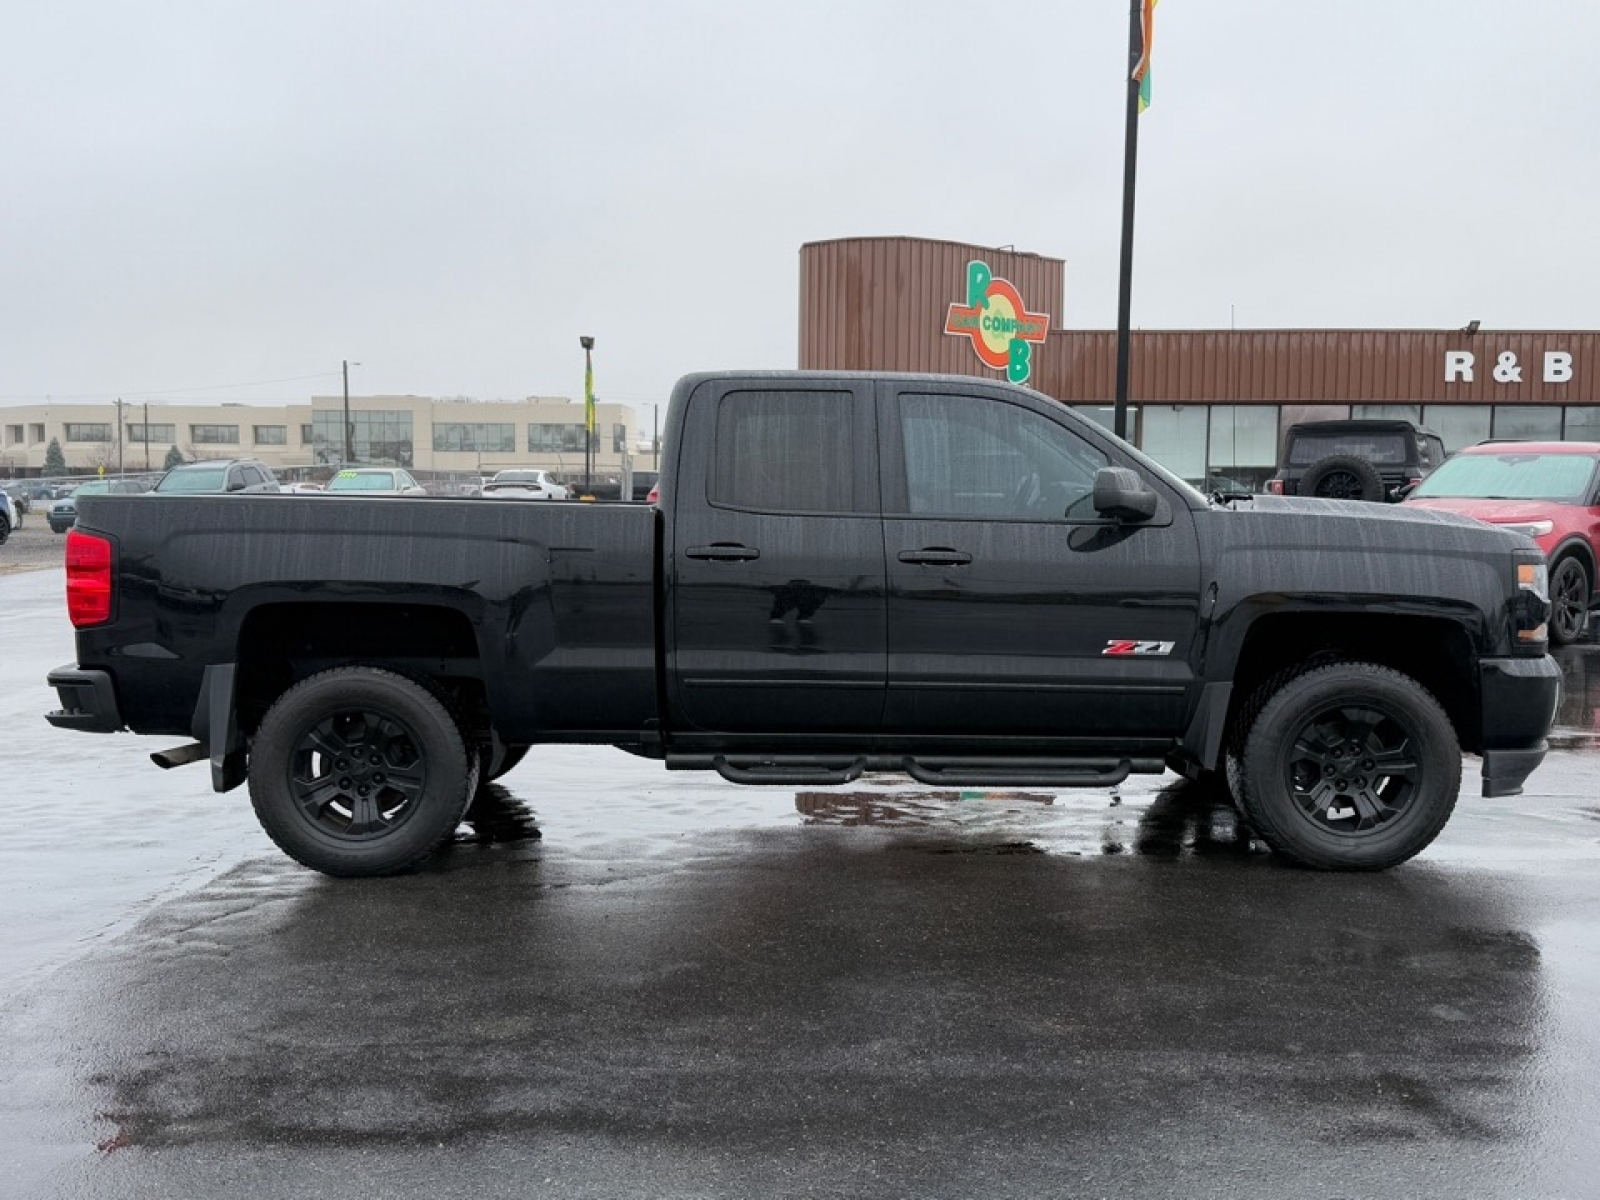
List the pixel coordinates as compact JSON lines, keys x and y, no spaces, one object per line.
{"x":10,"y":515}
{"x":219,"y":475}
{"x":997,"y":592}
{"x":1368,"y":459}
{"x":65,"y":511}
{"x":374,"y":481}
{"x":1547,"y":490}
{"x":21,"y":500}
{"x":521,"y":484}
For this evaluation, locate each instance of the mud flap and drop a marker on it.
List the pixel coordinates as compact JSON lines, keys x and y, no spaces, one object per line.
{"x":214,"y":724}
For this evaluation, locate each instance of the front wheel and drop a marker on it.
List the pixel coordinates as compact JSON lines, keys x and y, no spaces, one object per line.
{"x":359,"y":771}
{"x":1349,"y":767}
{"x":1569,"y":601}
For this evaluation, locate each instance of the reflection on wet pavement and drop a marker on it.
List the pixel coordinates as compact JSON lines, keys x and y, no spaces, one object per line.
{"x":1184,"y":818}
{"x":1580,"y":689}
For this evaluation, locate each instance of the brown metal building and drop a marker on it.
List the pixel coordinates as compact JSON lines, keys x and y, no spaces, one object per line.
{"x":1201,"y":401}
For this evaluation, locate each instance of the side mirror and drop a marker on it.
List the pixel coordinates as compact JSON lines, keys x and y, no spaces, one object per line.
{"x":235,"y":485}
{"x":1119,"y":493}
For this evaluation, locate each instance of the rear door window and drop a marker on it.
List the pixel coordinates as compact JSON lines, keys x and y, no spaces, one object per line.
{"x":784,"y":451}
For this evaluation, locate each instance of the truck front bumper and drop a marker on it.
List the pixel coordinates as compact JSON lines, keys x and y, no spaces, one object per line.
{"x":1520,"y":698}
{"x":88,"y":701}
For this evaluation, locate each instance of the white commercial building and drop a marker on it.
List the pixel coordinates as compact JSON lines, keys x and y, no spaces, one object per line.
{"x":456,"y":437}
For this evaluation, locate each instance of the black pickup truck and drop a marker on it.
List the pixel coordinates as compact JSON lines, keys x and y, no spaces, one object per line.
{"x":942,"y":576}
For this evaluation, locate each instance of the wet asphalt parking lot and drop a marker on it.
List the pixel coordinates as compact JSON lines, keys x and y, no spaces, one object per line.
{"x":684,"y":988}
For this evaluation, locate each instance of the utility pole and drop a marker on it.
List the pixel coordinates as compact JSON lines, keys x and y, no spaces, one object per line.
{"x":119,"y":435}
{"x":147,"y":435}
{"x":349,"y":454}
{"x":1130,"y":159}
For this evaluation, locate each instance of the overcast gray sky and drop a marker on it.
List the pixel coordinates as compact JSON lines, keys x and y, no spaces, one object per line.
{"x":202,"y":194}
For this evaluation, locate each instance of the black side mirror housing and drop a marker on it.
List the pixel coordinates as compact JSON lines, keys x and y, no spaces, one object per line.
{"x":1119,"y":493}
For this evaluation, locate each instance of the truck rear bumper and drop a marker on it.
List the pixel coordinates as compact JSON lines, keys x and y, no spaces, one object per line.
{"x":88,"y":701}
{"x":1520,"y":698}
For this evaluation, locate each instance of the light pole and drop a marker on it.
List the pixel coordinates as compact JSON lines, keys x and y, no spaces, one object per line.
{"x":349,"y":452}
{"x":147,"y":436}
{"x":588,"y":411}
{"x":655,"y":441}
{"x":119,"y":434}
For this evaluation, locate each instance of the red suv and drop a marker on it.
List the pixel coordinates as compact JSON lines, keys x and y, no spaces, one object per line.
{"x":1547,"y":490}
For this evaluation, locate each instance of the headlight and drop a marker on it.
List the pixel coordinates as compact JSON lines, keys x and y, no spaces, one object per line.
{"x":1534,"y":529}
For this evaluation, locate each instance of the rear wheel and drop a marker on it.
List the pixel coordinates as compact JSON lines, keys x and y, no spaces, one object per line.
{"x":1350,"y":767}
{"x":359,"y":771}
{"x":1570,"y":590}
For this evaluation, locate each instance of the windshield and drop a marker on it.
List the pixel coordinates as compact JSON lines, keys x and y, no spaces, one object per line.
{"x":93,"y":488}
{"x":362,"y":481}
{"x":1561,"y":478}
{"x":197,"y":479}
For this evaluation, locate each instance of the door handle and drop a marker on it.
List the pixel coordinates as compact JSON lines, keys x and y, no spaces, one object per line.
{"x":936,"y":556}
{"x":723,"y":552}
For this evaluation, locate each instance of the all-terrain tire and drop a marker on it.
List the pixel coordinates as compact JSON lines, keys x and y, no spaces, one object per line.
{"x":1343,"y":477}
{"x":1349,"y":767}
{"x":358,"y":771}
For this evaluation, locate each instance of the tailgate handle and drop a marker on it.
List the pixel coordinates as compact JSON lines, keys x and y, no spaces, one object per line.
{"x":936,"y":556}
{"x":723,"y":552}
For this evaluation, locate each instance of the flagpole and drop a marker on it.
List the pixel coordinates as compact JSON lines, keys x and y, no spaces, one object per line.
{"x":1130,"y":160}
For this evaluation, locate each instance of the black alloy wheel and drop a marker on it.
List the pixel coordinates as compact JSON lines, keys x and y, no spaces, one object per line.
{"x":1339,"y":485}
{"x":1569,"y":601}
{"x":359,"y":771}
{"x":1350,"y":767}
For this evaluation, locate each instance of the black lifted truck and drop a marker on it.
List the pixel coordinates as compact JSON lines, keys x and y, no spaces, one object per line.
{"x":1373,"y":459}
{"x":942,"y":576}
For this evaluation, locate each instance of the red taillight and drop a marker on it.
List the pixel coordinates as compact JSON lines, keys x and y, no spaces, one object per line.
{"x":1274,"y":487}
{"x":654,"y":496}
{"x":88,"y":578}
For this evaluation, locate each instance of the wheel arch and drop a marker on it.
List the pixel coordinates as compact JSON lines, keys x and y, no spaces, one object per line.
{"x":1435,"y":651}
{"x":279,"y":644}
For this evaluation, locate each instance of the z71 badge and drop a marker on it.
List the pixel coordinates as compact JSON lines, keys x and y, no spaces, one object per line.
{"x":1123,"y":648}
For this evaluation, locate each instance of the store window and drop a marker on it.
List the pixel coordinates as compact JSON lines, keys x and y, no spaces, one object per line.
{"x":1537,"y":422}
{"x":1243,"y":443}
{"x":271,"y":435}
{"x":88,"y":431}
{"x":1175,"y":436}
{"x":1105,"y":416}
{"x":1458,"y":425}
{"x":1583,"y":423}
{"x":1388,"y":412}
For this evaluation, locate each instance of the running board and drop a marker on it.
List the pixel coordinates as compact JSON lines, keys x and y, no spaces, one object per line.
{"x":823,"y":771}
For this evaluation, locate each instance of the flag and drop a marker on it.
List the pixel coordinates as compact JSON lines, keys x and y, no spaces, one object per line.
{"x":1147,"y":32}
{"x":588,"y":395}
